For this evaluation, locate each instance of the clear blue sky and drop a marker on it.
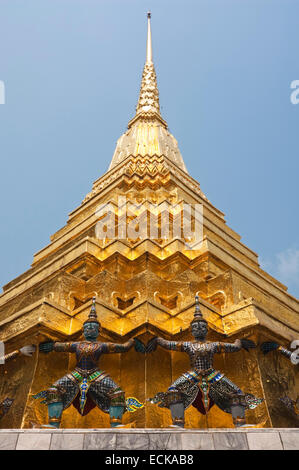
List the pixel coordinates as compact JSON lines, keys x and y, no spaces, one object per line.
{"x":72,"y":72}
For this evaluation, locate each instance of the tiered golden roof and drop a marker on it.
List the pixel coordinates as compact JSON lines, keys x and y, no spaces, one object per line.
{"x":146,"y":286}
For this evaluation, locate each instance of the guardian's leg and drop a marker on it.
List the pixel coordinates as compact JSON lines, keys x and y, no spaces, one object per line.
{"x":55,"y":407}
{"x":176,"y":406}
{"x":109,"y":397}
{"x":117,"y":407}
{"x":238,"y":406}
{"x":4,"y":406}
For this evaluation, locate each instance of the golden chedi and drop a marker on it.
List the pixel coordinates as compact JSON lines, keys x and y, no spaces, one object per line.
{"x":125,"y":245}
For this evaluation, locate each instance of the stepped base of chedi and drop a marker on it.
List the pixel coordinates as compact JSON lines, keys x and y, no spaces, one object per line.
{"x":126,"y":245}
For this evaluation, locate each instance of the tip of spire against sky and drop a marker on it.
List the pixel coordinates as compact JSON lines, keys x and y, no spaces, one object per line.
{"x":149,"y":51}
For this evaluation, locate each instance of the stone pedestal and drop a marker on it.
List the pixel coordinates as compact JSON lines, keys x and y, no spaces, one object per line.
{"x":150,"y":439}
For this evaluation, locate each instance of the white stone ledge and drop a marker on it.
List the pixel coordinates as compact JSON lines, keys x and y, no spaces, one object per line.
{"x":150,"y":439}
{"x":148,"y":430}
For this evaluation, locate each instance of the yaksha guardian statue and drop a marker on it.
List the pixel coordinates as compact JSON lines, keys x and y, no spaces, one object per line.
{"x":87,"y":386}
{"x":203,"y":386}
{"x":293,"y":356}
{"x":24,"y":351}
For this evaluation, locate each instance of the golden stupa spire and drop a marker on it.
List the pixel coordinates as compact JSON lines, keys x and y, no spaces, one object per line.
{"x":149,"y":95}
{"x":148,"y":133}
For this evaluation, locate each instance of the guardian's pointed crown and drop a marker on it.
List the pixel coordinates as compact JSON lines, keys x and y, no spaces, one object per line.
{"x":198,"y":317}
{"x":92,"y":317}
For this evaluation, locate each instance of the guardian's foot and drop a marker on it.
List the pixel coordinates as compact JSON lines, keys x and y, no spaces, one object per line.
{"x":178,"y":423}
{"x":49,"y":426}
{"x":115,"y":423}
{"x":239,"y":422}
{"x":116,"y":413}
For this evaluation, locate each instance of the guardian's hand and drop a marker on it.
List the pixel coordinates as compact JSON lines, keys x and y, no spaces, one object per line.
{"x":152,"y":345}
{"x":269,"y":346}
{"x":28,"y":350}
{"x":139,"y":346}
{"x":247,"y":344}
{"x":46,"y":347}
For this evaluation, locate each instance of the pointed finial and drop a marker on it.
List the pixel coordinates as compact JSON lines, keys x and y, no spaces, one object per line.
{"x":197,"y":313}
{"x":149,"y":52}
{"x":148,"y":102}
{"x":92,"y":317}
